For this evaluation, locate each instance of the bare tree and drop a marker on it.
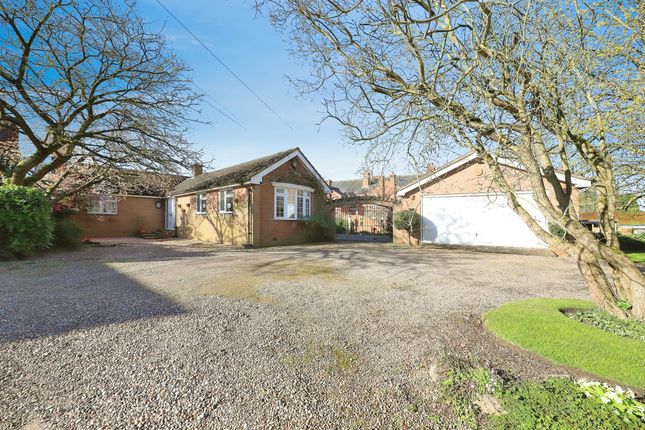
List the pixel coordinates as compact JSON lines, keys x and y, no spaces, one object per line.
{"x":92,"y":92}
{"x":553,"y":86}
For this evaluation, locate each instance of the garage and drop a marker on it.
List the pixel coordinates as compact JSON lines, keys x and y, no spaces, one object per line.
{"x":481,"y":219}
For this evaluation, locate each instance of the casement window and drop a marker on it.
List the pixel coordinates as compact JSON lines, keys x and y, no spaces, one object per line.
{"x":226,"y":201}
{"x":102,"y":205}
{"x":200,"y":207}
{"x":292,"y":202}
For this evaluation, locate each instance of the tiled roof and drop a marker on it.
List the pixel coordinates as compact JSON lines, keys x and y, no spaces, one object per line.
{"x":355,"y":186}
{"x":232,"y":175}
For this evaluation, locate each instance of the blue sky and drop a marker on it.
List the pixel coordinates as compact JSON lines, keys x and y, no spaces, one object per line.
{"x":250,"y":46}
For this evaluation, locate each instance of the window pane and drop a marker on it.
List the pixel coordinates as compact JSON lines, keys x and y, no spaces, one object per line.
{"x":279,"y":206}
{"x":291,"y":204}
{"x":300,"y":205}
{"x":307,"y":207}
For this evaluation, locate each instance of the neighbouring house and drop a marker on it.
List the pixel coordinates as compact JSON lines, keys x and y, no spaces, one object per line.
{"x":256,"y":203}
{"x":366,"y":203}
{"x":626,"y":222}
{"x":460,"y":205}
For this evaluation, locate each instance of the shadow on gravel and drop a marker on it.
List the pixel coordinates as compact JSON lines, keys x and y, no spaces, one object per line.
{"x":49,"y":297}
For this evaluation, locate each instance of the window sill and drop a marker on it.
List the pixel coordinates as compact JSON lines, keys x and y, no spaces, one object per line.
{"x":200,"y":213}
{"x":99,"y":213}
{"x":289,"y":219}
{"x":226,"y":212}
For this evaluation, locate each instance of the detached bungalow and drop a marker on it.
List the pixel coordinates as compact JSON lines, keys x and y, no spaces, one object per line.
{"x":459,"y":204}
{"x":256,"y":203}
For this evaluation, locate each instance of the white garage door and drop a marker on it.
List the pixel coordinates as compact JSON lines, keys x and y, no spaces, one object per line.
{"x":478,"y":219}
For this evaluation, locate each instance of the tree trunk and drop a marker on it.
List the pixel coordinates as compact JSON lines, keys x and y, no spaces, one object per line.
{"x":598,"y":284}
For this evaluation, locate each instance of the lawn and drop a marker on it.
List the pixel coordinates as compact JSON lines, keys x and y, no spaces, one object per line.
{"x":538,"y":325}
{"x":637,"y":257}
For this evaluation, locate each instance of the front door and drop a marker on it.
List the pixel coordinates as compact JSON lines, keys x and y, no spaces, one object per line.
{"x":170,"y":213}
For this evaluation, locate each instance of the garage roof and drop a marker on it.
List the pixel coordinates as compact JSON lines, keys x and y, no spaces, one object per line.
{"x":577,"y":181}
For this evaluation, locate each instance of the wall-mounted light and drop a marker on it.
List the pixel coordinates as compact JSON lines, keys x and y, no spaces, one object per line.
{"x":158,"y":204}
{"x":294,"y":163}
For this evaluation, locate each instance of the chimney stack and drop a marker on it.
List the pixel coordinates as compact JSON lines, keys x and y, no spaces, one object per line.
{"x":9,"y":141}
{"x":367,"y":179}
{"x":198,"y":169}
{"x":329,"y":182}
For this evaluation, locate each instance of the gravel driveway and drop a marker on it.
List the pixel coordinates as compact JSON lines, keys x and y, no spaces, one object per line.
{"x":181,"y":335}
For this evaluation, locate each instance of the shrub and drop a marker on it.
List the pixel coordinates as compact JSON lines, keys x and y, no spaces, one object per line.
{"x":318,"y":228}
{"x":408,"y":220}
{"x":631,"y":243}
{"x":67,"y":234}
{"x":342,"y":225}
{"x":609,"y":323}
{"x":26,"y":223}
{"x":557,"y":230}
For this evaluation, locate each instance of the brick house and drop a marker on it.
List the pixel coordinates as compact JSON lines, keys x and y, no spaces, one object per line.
{"x":256,"y":203}
{"x":359,"y":214}
{"x":460,"y":204}
{"x":134,"y":206}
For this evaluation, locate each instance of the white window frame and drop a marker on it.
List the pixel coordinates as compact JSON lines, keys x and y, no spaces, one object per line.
{"x":224,"y":195}
{"x":201,"y":202}
{"x":103,"y":204}
{"x":291,"y":195}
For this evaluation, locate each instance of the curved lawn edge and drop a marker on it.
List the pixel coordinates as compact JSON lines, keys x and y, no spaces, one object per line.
{"x":539,"y":326}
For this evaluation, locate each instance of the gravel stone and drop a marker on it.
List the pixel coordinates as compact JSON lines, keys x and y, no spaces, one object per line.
{"x":176,"y":334}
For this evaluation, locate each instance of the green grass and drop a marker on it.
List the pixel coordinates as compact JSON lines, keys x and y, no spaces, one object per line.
{"x":637,"y":257}
{"x":538,"y":326}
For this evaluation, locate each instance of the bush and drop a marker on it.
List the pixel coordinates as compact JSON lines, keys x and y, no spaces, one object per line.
{"x":631,"y":243}
{"x":609,"y":323}
{"x":318,"y":228}
{"x":26,"y":223}
{"x":557,"y":230}
{"x":408,"y":220}
{"x":342,"y":225}
{"x":67,"y":234}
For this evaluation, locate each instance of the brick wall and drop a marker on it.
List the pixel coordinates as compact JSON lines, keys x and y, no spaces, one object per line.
{"x":232,"y":228}
{"x":213,"y":226}
{"x":133,"y":213}
{"x":269,"y":231}
{"x":470,"y":178}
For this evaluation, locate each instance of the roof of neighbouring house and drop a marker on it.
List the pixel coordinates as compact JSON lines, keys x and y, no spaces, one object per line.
{"x":242,"y":173}
{"x":355,"y":186}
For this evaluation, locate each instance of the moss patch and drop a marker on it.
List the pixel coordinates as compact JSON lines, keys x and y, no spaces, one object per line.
{"x":245,"y":284}
{"x":338,"y":358}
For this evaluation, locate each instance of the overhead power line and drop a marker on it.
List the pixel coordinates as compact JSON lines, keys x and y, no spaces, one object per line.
{"x":221,"y":111}
{"x":219,"y":60}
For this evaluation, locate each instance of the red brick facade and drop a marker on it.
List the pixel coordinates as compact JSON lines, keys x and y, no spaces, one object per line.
{"x":262,"y":229}
{"x":134,"y":215}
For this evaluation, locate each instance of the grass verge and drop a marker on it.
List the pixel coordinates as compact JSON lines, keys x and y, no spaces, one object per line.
{"x":637,"y":257}
{"x":538,"y":325}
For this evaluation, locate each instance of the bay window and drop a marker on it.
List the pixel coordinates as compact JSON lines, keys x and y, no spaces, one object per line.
{"x":292,"y":201}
